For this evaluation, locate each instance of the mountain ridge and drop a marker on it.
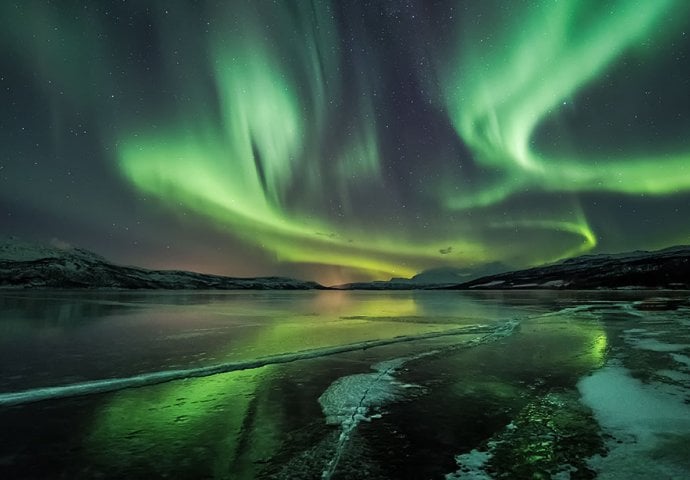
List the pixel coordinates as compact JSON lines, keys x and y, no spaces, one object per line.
{"x":59,"y":265}
{"x":33,"y":265}
{"x":432,"y":277}
{"x":668,"y":268}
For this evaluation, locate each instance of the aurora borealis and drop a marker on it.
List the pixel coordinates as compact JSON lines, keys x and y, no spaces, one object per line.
{"x":339,"y":141}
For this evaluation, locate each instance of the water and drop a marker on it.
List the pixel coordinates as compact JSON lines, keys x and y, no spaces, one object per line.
{"x":344,"y":385}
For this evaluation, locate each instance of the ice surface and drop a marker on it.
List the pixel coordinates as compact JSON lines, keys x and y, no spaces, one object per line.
{"x":348,"y":401}
{"x":152,"y":378}
{"x":351,"y":399}
{"x":646,"y":422}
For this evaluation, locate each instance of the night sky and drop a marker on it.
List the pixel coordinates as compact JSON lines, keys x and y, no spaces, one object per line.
{"x":345,"y":140}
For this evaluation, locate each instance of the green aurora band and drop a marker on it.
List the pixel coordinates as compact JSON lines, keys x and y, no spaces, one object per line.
{"x":239,"y":172}
{"x":276,"y":122}
{"x":497,"y":97}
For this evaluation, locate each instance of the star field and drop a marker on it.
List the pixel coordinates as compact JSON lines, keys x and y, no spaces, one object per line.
{"x":345,"y":140}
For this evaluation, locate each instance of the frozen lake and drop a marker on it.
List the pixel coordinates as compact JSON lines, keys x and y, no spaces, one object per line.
{"x":334,"y":384}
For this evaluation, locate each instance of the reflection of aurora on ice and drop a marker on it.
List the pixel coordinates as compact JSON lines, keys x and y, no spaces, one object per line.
{"x":239,"y":403}
{"x":299,"y":419}
{"x":352,"y":399}
{"x":154,"y":378}
{"x":238,"y":411}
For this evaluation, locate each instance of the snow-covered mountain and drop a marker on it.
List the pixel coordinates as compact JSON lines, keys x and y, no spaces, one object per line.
{"x":31,"y":265}
{"x":667,"y":268}
{"x":58,"y":265}
{"x":450,"y":275}
{"x":431,"y":278}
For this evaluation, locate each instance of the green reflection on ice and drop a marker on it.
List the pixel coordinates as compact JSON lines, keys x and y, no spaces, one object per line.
{"x":227,"y":423}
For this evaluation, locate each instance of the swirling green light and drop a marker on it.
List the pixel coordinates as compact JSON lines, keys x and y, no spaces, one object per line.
{"x":264,"y":164}
{"x":498,"y":92}
{"x":240,"y":170}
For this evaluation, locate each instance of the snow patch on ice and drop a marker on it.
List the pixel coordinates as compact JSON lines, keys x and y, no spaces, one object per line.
{"x":644,"y":421}
{"x":472,"y":466}
{"x":350,"y":400}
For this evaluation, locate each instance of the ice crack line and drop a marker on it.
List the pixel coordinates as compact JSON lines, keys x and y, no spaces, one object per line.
{"x":152,"y":378}
{"x":349,"y":426}
{"x":385,"y":372}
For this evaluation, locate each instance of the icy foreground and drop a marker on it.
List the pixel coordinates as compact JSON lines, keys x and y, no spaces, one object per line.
{"x":646,"y":419}
{"x":371,"y":384}
{"x":360,"y":397}
{"x":643,"y":420}
{"x":358,"y":385}
{"x":350,"y":400}
{"x":630,"y":418}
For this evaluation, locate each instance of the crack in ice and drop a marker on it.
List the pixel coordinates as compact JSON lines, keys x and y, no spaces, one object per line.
{"x":377,"y":390}
{"x":164,"y":376}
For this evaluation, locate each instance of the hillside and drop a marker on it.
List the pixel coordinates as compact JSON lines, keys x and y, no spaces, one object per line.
{"x":668,"y":269}
{"x":31,"y":265}
{"x":431,"y":278}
